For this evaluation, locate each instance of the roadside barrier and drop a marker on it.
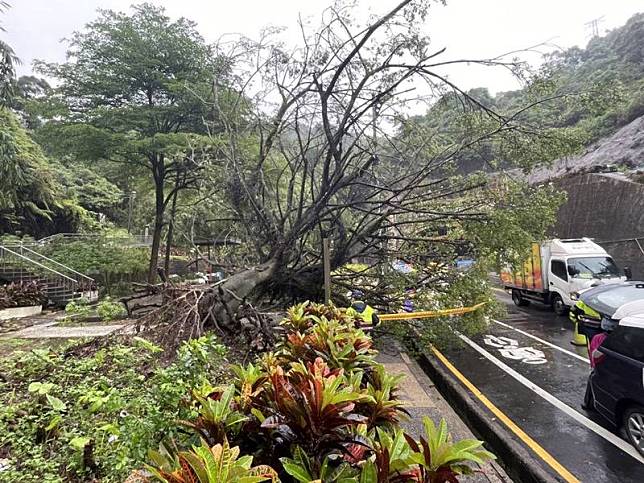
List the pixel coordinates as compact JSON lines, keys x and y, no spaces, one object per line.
{"x":430,"y":313}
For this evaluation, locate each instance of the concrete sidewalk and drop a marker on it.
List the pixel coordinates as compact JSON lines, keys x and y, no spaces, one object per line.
{"x":423,"y":399}
{"x":58,"y":332}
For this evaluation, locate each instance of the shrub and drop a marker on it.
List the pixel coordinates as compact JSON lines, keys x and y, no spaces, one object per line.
{"x":318,"y":408}
{"x":110,"y":262}
{"x":23,"y":294}
{"x":79,"y":307}
{"x":109,"y":310}
{"x":203,"y":464}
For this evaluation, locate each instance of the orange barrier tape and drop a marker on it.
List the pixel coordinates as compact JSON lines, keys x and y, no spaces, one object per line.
{"x":430,"y":313}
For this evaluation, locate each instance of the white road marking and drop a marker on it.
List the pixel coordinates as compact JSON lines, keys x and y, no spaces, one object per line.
{"x":549,"y":344}
{"x":594,"y":427}
{"x":500,"y":342}
{"x":527,"y":355}
{"x":509,"y":348}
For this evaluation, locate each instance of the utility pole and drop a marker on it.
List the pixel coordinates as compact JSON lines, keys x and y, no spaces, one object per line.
{"x":593,"y":26}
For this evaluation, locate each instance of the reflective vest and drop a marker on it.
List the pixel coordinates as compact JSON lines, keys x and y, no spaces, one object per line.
{"x":365,"y":313}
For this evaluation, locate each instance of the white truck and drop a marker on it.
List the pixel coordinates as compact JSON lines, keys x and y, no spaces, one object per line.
{"x":558,"y":268}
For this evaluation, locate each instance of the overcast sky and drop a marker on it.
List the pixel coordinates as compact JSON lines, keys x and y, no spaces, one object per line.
{"x":471,"y":28}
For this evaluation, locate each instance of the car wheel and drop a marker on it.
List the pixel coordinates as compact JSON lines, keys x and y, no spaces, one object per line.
{"x":518,"y":299}
{"x":634,"y":427}
{"x":557,"y":304}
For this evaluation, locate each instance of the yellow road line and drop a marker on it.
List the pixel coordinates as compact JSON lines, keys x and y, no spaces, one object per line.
{"x":532,"y":444}
{"x":430,"y":313}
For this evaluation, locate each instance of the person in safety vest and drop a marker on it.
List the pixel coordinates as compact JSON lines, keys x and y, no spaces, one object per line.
{"x":364,"y":314}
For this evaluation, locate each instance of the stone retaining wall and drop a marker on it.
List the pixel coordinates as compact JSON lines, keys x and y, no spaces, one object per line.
{"x":608,"y":208}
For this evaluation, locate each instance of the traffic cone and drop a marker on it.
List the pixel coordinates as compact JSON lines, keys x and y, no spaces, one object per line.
{"x":577,"y":338}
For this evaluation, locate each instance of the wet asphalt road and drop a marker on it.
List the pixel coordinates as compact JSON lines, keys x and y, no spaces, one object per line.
{"x":587,"y":455}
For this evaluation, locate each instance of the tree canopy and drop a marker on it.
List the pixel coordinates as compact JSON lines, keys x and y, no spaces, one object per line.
{"x":135,"y":90}
{"x":32,"y":199}
{"x":8,"y":61}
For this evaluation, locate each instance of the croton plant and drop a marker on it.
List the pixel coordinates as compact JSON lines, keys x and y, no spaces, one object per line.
{"x":22,"y":294}
{"x":317,"y":409}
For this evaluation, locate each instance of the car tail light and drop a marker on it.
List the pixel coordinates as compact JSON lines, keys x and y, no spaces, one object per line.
{"x":597,"y":356}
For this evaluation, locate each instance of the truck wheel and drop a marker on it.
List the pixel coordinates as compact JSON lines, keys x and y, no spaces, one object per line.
{"x":557,"y":304}
{"x":518,"y":299}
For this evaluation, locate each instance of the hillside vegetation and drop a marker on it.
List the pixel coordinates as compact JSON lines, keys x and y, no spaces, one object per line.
{"x":586,"y":93}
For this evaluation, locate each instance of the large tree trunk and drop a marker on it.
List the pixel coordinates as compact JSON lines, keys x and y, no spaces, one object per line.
{"x":226,"y":298}
{"x":159,"y":205}
{"x":156,"y":244}
{"x":168,"y":243}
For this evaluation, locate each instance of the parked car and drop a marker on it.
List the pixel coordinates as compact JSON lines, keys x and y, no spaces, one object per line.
{"x":617,"y":382}
{"x":600,"y":308}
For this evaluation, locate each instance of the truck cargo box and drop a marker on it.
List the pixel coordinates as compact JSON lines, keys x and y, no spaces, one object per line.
{"x":531,"y":277}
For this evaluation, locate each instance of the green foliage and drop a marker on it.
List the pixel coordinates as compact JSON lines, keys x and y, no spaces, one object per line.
{"x":339,"y":345}
{"x":74,"y":416}
{"x":107,"y":260}
{"x":333,"y":421}
{"x":8,"y":61}
{"x":89,"y":189}
{"x":518,"y":215}
{"x":216,"y":419}
{"x":109,"y":310}
{"x":578,"y":96}
{"x":79,"y":307}
{"x":302,"y":469}
{"x":609,"y":73}
{"x":31,"y":199}
{"x":135,"y":94}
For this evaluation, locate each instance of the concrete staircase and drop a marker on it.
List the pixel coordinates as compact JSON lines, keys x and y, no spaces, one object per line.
{"x":61,"y":283}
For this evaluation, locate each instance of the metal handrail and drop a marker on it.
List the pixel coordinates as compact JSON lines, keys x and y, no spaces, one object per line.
{"x":3,"y":248}
{"x":69,"y":269}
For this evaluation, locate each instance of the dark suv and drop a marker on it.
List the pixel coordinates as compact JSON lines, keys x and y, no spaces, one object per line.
{"x":617,"y":382}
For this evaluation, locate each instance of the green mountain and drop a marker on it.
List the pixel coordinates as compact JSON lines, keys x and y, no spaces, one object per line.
{"x":592,"y":93}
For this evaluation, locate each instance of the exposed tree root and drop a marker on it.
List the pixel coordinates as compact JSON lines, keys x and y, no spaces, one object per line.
{"x":187,"y":312}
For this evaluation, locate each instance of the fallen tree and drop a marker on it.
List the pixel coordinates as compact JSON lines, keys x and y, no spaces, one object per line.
{"x":317,"y":143}
{"x":312,"y":148}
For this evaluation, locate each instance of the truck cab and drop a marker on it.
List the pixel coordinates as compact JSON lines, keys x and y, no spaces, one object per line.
{"x":574,"y":265}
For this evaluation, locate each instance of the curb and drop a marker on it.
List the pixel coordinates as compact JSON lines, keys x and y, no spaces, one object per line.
{"x":515,"y":459}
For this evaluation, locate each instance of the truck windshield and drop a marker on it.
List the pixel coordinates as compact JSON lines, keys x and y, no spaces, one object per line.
{"x":592,"y":267}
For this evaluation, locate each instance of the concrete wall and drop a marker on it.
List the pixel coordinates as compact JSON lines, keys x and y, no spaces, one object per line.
{"x":610,"y":209}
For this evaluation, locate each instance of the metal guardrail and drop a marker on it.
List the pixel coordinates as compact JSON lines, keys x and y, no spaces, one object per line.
{"x":29,"y":261}
{"x":134,"y":240}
